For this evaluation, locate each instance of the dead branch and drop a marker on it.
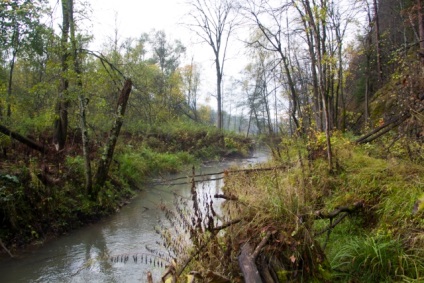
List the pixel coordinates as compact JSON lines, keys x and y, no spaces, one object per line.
{"x":26,"y":141}
{"x":331,"y":226}
{"x":261,"y":245}
{"x":226,"y":225}
{"x":4,"y":247}
{"x":227,"y":197}
{"x":337,"y":211}
{"x":107,"y":155}
{"x":216,"y":277}
{"x":250,"y":170}
{"x":344,"y":209}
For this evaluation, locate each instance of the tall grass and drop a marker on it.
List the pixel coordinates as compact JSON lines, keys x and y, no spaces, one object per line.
{"x":378,"y":258}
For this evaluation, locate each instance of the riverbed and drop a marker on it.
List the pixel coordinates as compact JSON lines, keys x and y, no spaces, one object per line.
{"x":122,"y":247}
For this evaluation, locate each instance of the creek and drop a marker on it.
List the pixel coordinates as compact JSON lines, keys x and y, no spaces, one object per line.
{"x":116,"y":248}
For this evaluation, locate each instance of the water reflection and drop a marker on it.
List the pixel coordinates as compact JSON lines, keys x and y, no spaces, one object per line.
{"x":89,"y":254}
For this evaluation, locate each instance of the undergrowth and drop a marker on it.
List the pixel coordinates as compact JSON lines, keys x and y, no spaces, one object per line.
{"x":42,"y":196}
{"x":303,"y":223}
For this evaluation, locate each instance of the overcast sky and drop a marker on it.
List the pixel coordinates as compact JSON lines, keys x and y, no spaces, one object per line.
{"x":134,"y":17}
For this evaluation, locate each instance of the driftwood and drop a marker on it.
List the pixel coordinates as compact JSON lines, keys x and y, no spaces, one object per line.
{"x":26,"y":141}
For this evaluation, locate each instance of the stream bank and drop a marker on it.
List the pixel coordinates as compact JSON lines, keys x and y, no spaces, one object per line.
{"x":105,"y":251}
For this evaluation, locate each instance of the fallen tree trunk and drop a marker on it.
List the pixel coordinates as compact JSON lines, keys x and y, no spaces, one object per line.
{"x":26,"y":141}
{"x":247,"y":265}
{"x":386,"y":127}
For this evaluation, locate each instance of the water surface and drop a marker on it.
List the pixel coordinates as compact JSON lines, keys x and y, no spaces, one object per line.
{"x":116,"y":248}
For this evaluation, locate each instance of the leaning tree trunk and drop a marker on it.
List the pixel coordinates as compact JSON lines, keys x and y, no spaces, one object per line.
{"x":26,"y":141}
{"x":107,"y":155}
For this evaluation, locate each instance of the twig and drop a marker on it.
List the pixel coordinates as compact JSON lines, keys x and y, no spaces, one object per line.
{"x":330,"y":227}
{"x":4,"y":247}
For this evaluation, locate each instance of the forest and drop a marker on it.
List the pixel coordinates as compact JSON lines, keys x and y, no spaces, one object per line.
{"x":334,"y":89}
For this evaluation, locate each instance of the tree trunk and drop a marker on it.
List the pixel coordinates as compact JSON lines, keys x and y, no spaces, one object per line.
{"x":9,"y":87}
{"x":421,"y":27}
{"x":109,"y":148}
{"x":378,"y":42}
{"x":82,"y":103}
{"x":218,"y":92}
{"x":61,"y":122}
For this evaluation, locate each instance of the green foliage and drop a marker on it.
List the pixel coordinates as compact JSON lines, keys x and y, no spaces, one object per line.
{"x":238,"y":145}
{"x":138,"y":164}
{"x":75,"y":165}
{"x":375,"y":259}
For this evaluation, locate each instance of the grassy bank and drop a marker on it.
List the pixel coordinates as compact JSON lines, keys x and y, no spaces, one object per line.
{"x":44,"y":196}
{"x":302,"y":223}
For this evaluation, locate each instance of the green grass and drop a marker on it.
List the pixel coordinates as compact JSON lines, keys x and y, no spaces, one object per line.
{"x":377,"y":258}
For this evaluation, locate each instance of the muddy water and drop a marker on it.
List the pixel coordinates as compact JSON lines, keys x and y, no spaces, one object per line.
{"x":115,"y":249}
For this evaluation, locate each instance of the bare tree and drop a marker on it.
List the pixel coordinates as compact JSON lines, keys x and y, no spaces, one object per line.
{"x":272,"y":38}
{"x":214,"y":22}
{"x":314,"y":19}
{"x":190,"y":75}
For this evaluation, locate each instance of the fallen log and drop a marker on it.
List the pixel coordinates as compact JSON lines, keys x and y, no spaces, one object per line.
{"x":247,"y":265}
{"x":26,"y":141}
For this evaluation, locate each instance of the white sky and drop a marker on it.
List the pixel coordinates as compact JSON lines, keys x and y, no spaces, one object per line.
{"x":134,"y":17}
